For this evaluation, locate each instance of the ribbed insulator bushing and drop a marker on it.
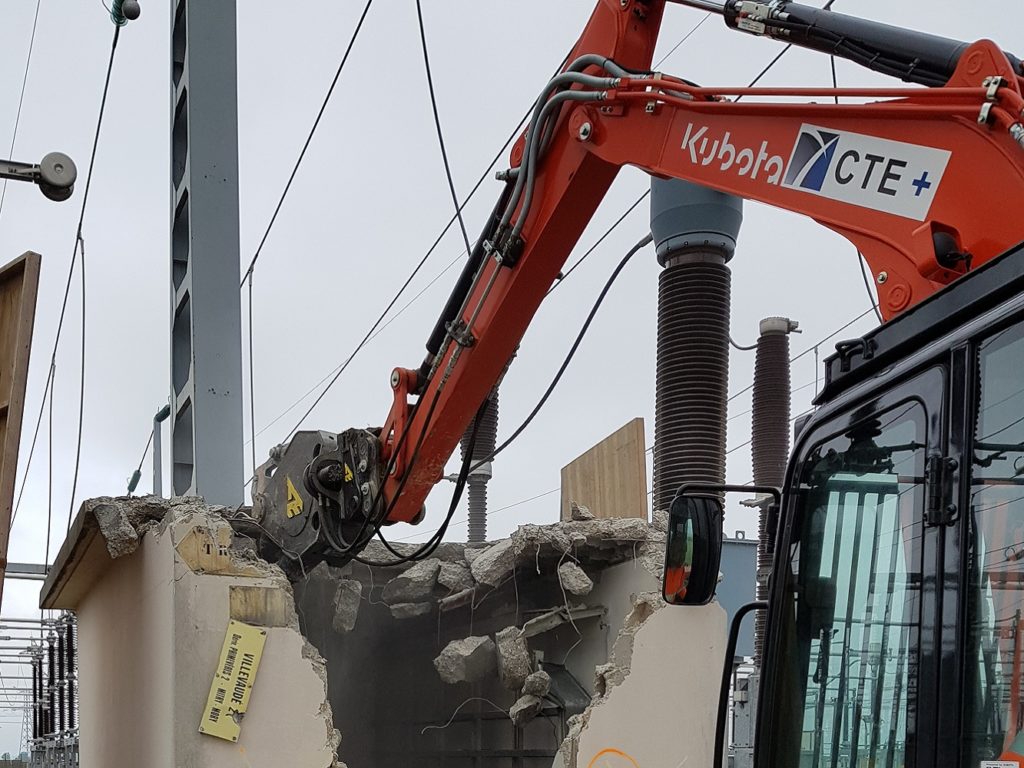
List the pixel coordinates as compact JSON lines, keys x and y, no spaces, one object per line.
{"x":486,"y":442}
{"x":693,"y":374}
{"x":772,"y":391}
{"x":770,"y":443}
{"x":477,"y":494}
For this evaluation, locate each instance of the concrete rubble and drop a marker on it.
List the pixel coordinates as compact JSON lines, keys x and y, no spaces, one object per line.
{"x":579,"y":512}
{"x":514,"y":661}
{"x":525,"y":709}
{"x":455,"y":577}
{"x":574,"y":579}
{"x":410,"y":610}
{"x":413,"y":585}
{"x":562,"y":562}
{"x":347,"y":598}
{"x":537,"y":684}
{"x":467,"y":661}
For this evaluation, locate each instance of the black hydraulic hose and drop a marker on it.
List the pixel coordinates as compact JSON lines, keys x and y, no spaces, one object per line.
{"x":920,"y":57}
{"x":465,"y":282}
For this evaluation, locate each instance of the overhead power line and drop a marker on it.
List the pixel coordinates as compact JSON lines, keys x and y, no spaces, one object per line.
{"x":77,"y":249}
{"x":437,"y":126}
{"x":309,"y":139}
{"x":21,"y":98}
{"x":379,"y":325}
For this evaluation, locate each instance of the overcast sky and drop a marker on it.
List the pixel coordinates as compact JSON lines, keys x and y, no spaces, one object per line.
{"x":366,"y":205}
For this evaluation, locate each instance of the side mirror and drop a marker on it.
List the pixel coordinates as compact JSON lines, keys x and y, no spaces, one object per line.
{"x":693,"y":553}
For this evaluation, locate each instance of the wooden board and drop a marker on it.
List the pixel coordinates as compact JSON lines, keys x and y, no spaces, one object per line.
{"x":19,"y":286}
{"x":610,"y":478}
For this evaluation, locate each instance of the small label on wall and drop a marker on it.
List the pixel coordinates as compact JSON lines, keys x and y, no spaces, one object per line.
{"x":232,"y":683}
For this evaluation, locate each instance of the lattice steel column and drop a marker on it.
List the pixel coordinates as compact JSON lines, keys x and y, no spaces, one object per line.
{"x":206,"y":332}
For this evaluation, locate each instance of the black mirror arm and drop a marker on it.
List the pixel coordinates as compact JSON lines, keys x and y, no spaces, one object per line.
{"x":730,"y":654}
{"x":713,"y":489}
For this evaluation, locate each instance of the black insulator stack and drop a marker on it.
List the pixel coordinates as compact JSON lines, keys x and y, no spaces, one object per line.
{"x":51,"y":686}
{"x":35,"y":697}
{"x":484,"y":445}
{"x":61,"y":679}
{"x":70,"y":650}
{"x":694,"y":302}
{"x":769,"y":443}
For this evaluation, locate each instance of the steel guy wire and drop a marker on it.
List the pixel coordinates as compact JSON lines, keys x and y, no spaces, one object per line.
{"x":379,"y":325}
{"x":79,"y":242}
{"x":309,"y":139}
{"x":21,"y":98}
{"x":437,"y":126}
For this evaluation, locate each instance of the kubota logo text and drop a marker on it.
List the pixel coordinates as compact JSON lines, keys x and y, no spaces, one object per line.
{"x":867,"y":171}
{"x":707,"y":150}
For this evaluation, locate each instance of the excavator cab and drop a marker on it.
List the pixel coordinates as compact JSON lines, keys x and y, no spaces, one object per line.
{"x":894,"y":624}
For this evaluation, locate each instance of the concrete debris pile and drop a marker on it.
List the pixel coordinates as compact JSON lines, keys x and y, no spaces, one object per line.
{"x":563,"y":560}
{"x":456,"y":575}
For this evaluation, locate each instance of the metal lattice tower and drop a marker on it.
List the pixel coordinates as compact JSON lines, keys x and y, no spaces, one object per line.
{"x":206,"y":332}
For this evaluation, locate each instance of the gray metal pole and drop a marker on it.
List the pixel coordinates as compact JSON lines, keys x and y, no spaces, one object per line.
{"x":158,"y":451}
{"x":206,"y":327}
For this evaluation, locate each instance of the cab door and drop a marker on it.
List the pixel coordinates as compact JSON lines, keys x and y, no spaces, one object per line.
{"x":984,"y":642}
{"x":851,"y":670}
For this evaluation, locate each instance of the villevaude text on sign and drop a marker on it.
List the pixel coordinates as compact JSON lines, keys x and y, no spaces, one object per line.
{"x":233,"y":681}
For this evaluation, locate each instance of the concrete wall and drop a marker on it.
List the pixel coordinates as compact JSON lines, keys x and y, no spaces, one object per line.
{"x":126,"y":685}
{"x":151,"y":626}
{"x":663,"y":714}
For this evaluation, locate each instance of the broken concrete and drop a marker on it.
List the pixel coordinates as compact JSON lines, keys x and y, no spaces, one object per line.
{"x":169,"y":570}
{"x":469,"y":660}
{"x":347,"y":598}
{"x":659,"y":520}
{"x":537,"y":684}
{"x":494,"y":564}
{"x":455,"y":577}
{"x":410,"y":610}
{"x":608,"y":540}
{"x":606,"y":677}
{"x":514,"y":661}
{"x":123,"y":520}
{"x":414,"y":585}
{"x":525,"y":709}
{"x":574,"y":579}
{"x":579,"y":512}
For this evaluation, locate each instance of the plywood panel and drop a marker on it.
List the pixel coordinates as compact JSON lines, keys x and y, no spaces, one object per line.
{"x":610,"y":478}
{"x":19,"y":285}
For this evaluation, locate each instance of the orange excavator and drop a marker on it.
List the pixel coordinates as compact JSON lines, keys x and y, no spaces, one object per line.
{"x":897,"y":577}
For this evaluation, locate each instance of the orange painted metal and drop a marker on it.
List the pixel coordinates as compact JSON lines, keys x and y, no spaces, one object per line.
{"x":650,"y":123}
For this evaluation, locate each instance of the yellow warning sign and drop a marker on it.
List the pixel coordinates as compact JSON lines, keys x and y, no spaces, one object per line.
{"x":294,"y":505}
{"x":232,"y":683}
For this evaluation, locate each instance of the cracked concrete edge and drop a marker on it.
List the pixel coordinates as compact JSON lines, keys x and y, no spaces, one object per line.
{"x":610,"y":675}
{"x":319,"y":667}
{"x":123,"y":522}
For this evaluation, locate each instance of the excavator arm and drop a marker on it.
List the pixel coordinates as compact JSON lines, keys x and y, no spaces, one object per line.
{"x":926,"y":182}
